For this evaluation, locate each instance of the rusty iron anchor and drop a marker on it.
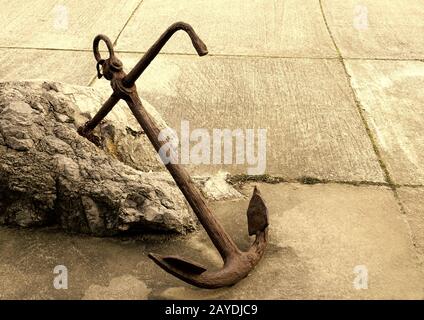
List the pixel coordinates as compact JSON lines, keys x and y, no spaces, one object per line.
{"x":237,"y":263}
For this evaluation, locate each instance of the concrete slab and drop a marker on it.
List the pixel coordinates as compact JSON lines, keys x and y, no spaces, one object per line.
{"x":392,"y":97}
{"x":93,"y":264}
{"x":65,"y":66}
{"x":283,"y":28}
{"x":318,"y":234}
{"x":66,"y":24}
{"x":377,"y":28}
{"x":413,"y":202}
{"x":306,"y":105}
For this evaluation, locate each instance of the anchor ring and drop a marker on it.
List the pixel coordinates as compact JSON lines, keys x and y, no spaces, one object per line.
{"x":114,"y":63}
{"x":108,"y":43}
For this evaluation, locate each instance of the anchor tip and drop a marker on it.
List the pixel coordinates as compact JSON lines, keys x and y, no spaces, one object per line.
{"x":257,"y":213}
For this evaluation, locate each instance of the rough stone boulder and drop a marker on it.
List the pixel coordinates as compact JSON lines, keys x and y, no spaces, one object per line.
{"x":49,"y":174}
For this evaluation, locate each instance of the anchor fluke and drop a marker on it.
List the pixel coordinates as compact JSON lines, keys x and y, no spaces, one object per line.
{"x":257,"y":213}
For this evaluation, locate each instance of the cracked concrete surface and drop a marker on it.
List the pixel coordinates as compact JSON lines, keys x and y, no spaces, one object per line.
{"x":338,"y":85}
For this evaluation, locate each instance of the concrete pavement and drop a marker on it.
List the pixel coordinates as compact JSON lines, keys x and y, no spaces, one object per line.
{"x":319,"y":234}
{"x":338,"y":86}
{"x":306,"y":105}
{"x":376,"y":29}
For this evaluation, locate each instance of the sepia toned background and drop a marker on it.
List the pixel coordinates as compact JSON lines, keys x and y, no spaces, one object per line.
{"x":337,"y":84}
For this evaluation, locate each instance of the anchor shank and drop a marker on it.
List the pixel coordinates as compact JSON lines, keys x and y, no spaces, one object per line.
{"x":216,"y":232}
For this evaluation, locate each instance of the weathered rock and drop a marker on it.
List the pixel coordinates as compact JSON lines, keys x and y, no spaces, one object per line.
{"x":216,"y":187}
{"x":48,"y":173}
{"x":120,"y":133}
